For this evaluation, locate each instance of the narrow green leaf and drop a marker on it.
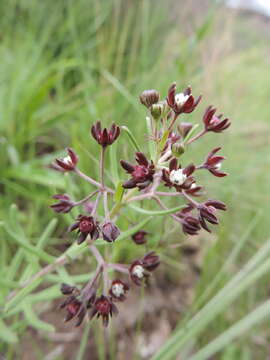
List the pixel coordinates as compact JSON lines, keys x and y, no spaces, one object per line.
{"x":20,"y":240}
{"x":242,"y":281}
{"x":163,"y":140}
{"x":262,"y":313}
{"x":114,"y":163}
{"x":21,"y":294}
{"x":34,"y":321}
{"x":6,"y":334}
{"x":118,"y":195}
{"x":47,"y":233}
{"x":156,"y":212}
{"x":131,"y":138}
{"x":151,"y":144}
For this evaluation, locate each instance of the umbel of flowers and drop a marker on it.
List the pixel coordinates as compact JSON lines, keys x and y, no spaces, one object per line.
{"x":164,"y":174}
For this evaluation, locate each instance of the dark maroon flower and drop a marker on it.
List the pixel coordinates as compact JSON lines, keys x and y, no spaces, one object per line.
{"x":213,"y":163}
{"x":105,"y":308}
{"x":118,"y":290}
{"x":68,"y":163}
{"x":140,"y":237}
{"x":74,"y":308}
{"x":150,"y":261}
{"x":142,"y":174}
{"x":77,"y":303}
{"x":139,"y":269}
{"x":182,"y":102}
{"x":149,"y":97}
{"x":64,"y":205}
{"x":104,"y":136}
{"x":137,"y":272}
{"x":86,"y":225}
{"x":190,"y":224}
{"x":69,"y":289}
{"x":110,"y":231}
{"x":177,"y":177}
{"x":207,"y":212}
{"x":213,"y":122}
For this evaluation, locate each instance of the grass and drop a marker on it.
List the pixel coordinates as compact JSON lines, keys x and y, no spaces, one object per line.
{"x":60,"y":73}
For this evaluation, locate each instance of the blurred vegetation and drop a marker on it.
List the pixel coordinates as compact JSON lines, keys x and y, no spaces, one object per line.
{"x":65,"y":64}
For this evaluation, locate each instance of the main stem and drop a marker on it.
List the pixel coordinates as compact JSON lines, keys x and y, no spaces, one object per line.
{"x":102,"y":158}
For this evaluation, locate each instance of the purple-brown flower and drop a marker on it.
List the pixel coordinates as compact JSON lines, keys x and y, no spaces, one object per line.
{"x":104,"y":136}
{"x":177,"y":177}
{"x":213,"y":163}
{"x":118,"y":290}
{"x":77,"y":303}
{"x":64,"y":205}
{"x":181,"y":102}
{"x":139,"y":269}
{"x":140,"y":237}
{"x":105,"y":308}
{"x":67,"y":163}
{"x":141,"y":174}
{"x":110,"y":231}
{"x":190,"y":224}
{"x":214,"y":122}
{"x":207,"y":212}
{"x":86,"y":225}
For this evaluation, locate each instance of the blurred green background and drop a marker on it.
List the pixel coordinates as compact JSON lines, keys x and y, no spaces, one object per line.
{"x":65,"y":64}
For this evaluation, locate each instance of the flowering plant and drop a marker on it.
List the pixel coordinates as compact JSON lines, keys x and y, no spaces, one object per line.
{"x":149,"y":177}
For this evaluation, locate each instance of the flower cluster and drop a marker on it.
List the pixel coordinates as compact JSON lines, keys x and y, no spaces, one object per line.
{"x":160,"y":175}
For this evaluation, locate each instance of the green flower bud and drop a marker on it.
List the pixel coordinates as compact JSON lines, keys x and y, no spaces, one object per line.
{"x":178,"y":149}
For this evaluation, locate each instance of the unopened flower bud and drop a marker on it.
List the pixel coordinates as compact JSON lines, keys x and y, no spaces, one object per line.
{"x":149,"y":97}
{"x":110,"y":231}
{"x":184,"y":128}
{"x":139,"y":237}
{"x":156,"y":110}
{"x":178,"y":149}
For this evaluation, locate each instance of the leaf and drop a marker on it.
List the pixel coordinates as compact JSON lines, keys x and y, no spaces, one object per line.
{"x":151,"y":144}
{"x":242,"y":281}
{"x":6,"y":334}
{"x":120,"y":87}
{"x":118,"y":195}
{"x":131,"y":138}
{"x":156,"y":212}
{"x":21,"y":294}
{"x":163,"y":140}
{"x":47,"y":233}
{"x":114,"y":163}
{"x":34,"y":321}
{"x":257,"y":316}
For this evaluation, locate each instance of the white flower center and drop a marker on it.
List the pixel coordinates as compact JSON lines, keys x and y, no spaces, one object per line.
{"x":67,"y":160}
{"x":181,"y":98}
{"x":218,"y":166}
{"x":138,"y":271}
{"x":118,"y":290}
{"x":177,"y":177}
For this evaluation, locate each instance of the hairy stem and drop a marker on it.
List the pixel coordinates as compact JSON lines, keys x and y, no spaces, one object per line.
{"x":200,"y":134}
{"x":173,"y":121}
{"x":101,"y":168}
{"x":86,"y":198}
{"x":92,"y":181}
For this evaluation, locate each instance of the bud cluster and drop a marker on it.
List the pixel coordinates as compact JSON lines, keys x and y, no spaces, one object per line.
{"x":149,"y":177}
